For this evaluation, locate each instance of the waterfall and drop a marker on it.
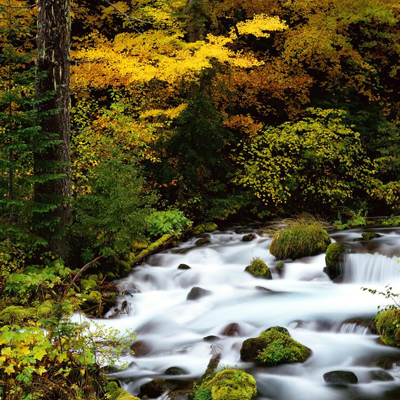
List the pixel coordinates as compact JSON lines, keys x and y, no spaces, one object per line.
{"x":372,"y":268}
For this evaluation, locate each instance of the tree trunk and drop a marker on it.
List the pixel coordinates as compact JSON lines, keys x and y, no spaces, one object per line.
{"x":54,"y":42}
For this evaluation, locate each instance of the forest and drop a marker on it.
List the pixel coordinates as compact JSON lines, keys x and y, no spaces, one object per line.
{"x":125,"y":125}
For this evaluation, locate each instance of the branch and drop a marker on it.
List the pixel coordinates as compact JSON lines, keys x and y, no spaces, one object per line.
{"x":130,"y":19}
{"x":76,"y":276}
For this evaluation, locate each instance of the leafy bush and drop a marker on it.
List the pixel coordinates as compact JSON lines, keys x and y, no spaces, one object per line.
{"x":353,"y":220}
{"x":171,"y":222}
{"x":113,"y":213}
{"x":300,"y":239}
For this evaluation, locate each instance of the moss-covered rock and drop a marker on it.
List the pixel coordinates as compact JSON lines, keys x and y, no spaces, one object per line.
{"x":300,"y":240}
{"x":116,"y":393}
{"x":274,"y":347}
{"x":16,"y":315}
{"x":45,"y":309}
{"x":258,"y":268}
{"x":206,"y":227}
{"x":229,"y":384}
{"x":387,"y":324}
{"x":370,"y":235}
{"x":334,"y":259}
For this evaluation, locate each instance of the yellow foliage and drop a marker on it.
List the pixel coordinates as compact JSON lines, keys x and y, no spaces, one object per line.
{"x":260,"y":26}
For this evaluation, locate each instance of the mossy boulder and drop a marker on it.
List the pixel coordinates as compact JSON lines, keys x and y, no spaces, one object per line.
{"x":229,"y":384}
{"x":334,"y":259}
{"x":16,"y":315}
{"x":300,"y":240}
{"x":387,"y":324}
{"x":206,"y":227}
{"x":116,"y":393}
{"x":259,"y":268}
{"x":370,"y":235}
{"x":274,"y":347}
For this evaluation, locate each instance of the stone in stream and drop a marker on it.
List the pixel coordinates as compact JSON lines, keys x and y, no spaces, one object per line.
{"x":370,"y":235}
{"x":202,"y":242}
{"x":197,"y":293}
{"x":211,"y":338}
{"x":341,"y":377}
{"x":334,"y":259}
{"x":232,"y":330}
{"x":380,"y":375}
{"x":140,"y":348}
{"x":274,"y":347}
{"x":249,"y":237}
{"x":175,"y":371}
{"x":183,"y":266}
{"x":157,"y":387}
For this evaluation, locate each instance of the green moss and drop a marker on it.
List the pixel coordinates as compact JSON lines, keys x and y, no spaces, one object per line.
{"x":45,"y":309}
{"x":116,"y":393}
{"x":16,"y":314}
{"x":388,"y":326}
{"x":369,"y":235}
{"x":281,"y":348}
{"x":258,"y":268}
{"x":229,"y":384}
{"x":87,"y":284}
{"x":300,"y":240}
{"x":206,"y":227}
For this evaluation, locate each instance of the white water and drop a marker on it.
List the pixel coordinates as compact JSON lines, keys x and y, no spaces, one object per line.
{"x":304,"y":300}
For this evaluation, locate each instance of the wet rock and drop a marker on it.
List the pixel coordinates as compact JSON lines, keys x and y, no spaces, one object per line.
{"x":341,"y":377}
{"x":202,"y":242}
{"x":386,"y":362}
{"x":339,"y":279}
{"x":197,"y":293}
{"x":381,"y":376}
{"x":274,"y":347}
{"x":183,"y":266}
{"x":140,"y":348}
{"x":157,"y":387}
{"x":258,"y":268}
{"x":211,"y":338}
{"x":249,"y":237}
{"x":175,"y":371}
{"x":370,"y":235}
{"x":232,"y":330}
{"x":265,"y":290}
{"x":251,"y":348}
{"x":334,"y":259}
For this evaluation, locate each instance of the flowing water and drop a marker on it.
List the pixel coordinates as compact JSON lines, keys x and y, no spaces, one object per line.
{"x":324,"y":316}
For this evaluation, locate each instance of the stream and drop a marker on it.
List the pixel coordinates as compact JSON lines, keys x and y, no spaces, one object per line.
{"x":318,"y":313}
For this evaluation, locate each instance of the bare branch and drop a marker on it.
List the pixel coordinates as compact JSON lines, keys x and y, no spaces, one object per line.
{"x":129,"y":18}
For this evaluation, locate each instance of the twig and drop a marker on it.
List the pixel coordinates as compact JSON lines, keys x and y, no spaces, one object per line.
{"x":130,"y":19}
{"x":76,"y":276}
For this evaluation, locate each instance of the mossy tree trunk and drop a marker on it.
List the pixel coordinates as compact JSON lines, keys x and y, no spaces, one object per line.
{"x":53,"y":41}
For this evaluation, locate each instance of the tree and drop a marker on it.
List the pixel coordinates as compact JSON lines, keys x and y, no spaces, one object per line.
{"x":53,"y":42}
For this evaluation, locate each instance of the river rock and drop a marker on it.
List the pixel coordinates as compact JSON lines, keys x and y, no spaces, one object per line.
{"x":157,"y":387}
{"x":251,"y":348}
{"x":381,"y":376}
{"x":249,"y":237}
{"x":202,"y":242}
{"x":280,"y":329}
{"x":140,"y":348}
{"x":211,"y":338}
{"x":334,"y":259}
{"x":232,"y":330}
{"x":341,"y":377}
{"x":175,"y":371}
{"x":183,"y":266}
{"x":370,"y":235}
{"x":197,"y":293}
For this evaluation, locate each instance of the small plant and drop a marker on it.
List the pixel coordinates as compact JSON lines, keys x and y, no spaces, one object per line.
{"x":354,"y":219}
{"x":171,"y":222}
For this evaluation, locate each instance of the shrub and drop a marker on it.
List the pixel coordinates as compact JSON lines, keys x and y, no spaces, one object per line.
{"x":302,"y":238}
